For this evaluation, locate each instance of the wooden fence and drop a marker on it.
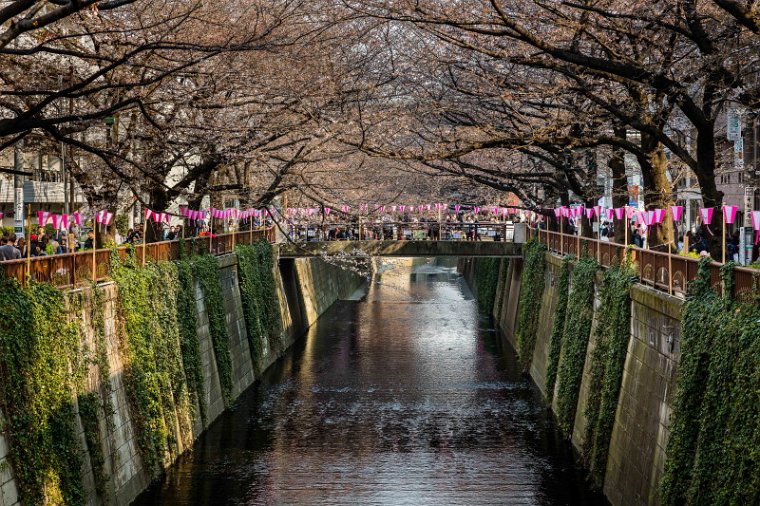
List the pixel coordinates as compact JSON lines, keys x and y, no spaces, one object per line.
{"x":669,"y":272}
{"x":72,"y":269}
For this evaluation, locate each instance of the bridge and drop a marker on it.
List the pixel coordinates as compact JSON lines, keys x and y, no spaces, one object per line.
{"x":390,"y":248}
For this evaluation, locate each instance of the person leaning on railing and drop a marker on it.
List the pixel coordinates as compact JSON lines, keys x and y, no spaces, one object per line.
{"x":8,"y":250}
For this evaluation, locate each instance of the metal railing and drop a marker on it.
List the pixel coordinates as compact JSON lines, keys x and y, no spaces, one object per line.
{"x":72,"y":269}
{"x":402,"y":231}
{"x":668,"y":272}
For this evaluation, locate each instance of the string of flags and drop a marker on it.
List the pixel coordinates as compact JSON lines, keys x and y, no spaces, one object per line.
{"x":222,"y":214}
{"x":62,"y":221}
{"x":655,"y":217}
{"x":402,"y":209}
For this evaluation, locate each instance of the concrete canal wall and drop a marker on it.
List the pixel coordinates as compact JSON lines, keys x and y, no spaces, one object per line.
{"x":305,"y":289}
{"x":636,"y":456}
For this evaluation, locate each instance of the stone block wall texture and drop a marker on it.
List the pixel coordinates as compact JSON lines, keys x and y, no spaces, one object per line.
{"x":320,"y":285}
{"x":637,"y":447}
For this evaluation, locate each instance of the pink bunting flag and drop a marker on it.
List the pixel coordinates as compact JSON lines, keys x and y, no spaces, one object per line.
{"x":476,"y":209}
{"x":327,"y":211}
{"x":659,"y":215}
{"x":457,"y":208}
{"x":610,"y":214}
{"x":729,"y":213}
{"x":590,"y":213}
{"x":676,"y":212}
{"x":565,"y":212}
{"x":77,"y":218}
{"x":505,"y":211}
{"x":56,"y":218}
{"x":629,"y":211}
{"x":401,"y":208}
{"x":756,"y":224}
{"x":104,"y":217}
{"x":42,"y":217}
{"x":64,"y":222}
{"x":598,"y":211}
{"x":382,"y":209}
{"x":706,"y":213}
{"x":649,"y":218}
{"x":557,"y":212}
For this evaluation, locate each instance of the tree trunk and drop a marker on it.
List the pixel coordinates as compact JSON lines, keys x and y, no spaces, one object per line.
{"x":154,"y":232}
{"x":711,"y":196}
{"x":619,"y":184}
{"x":658,"y":189}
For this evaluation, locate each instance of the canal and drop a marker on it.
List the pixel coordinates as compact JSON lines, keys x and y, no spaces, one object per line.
{"x":408,"y":396}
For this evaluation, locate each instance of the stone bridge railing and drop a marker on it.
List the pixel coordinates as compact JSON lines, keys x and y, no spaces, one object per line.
{"x":401,"y":249}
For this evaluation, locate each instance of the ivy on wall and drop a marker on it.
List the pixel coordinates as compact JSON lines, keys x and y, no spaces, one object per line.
{"x":713,"y":453}
{"x":531,"y":291}
{"x":42,"y":365}
{"x":486,"y":279}
{"x":206,"y":270}
{"x":88,"y":414}
{"x":611,"y":336}
{"x":91,"y":403}
{"x":258,"y":292}
{"x":155,"y":377}
{"x":187,"y":318}
{"x":580,"y":313}
{"x":45,"y":360}
{"x":558,"y":326}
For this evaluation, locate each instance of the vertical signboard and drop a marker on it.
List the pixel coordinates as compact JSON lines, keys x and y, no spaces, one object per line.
{"x":733,"y":125}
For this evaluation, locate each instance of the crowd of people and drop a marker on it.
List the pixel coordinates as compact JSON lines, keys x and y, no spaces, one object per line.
{"x":45,"y":241}
{"x":688,"y":242}
{"x":465,"y":226}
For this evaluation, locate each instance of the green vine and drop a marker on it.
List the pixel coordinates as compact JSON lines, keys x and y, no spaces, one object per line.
{"x":155,"y":377}
{"x":531,"y":291}
{"x":88,"y":414}
{"x":42,"y":365}
{"x":558,"y":327}
{"x":486,"y":279}
{"x":206,"y":270}
{"x":580,"y":313}
{"x":187,"y":317}
{"x":259,"y":297}
{"x":713,"y":452}
{"x":611,"y":336}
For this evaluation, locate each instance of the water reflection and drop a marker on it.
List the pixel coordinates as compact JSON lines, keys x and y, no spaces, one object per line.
{"x":405,"y":398}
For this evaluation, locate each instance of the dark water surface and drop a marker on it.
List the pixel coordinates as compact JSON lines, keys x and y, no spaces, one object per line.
{"x":408,"y":397}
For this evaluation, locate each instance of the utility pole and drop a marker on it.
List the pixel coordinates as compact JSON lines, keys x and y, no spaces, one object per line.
{"x":18,"y":189}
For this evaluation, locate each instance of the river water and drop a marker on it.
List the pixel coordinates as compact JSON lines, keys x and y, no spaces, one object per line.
{"x":406,"y":397}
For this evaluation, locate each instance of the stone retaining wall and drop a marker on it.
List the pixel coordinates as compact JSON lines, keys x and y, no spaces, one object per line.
{"x":318,"y":286}
{"x":637,"y":447}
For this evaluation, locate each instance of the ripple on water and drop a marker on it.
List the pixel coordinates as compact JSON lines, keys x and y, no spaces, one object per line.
{"x":405,"y":398}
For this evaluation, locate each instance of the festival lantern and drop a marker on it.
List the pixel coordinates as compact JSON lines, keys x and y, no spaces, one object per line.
{"x":729,"y":217}
{"x":755,"y":215}
{"x":706,"y":215}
